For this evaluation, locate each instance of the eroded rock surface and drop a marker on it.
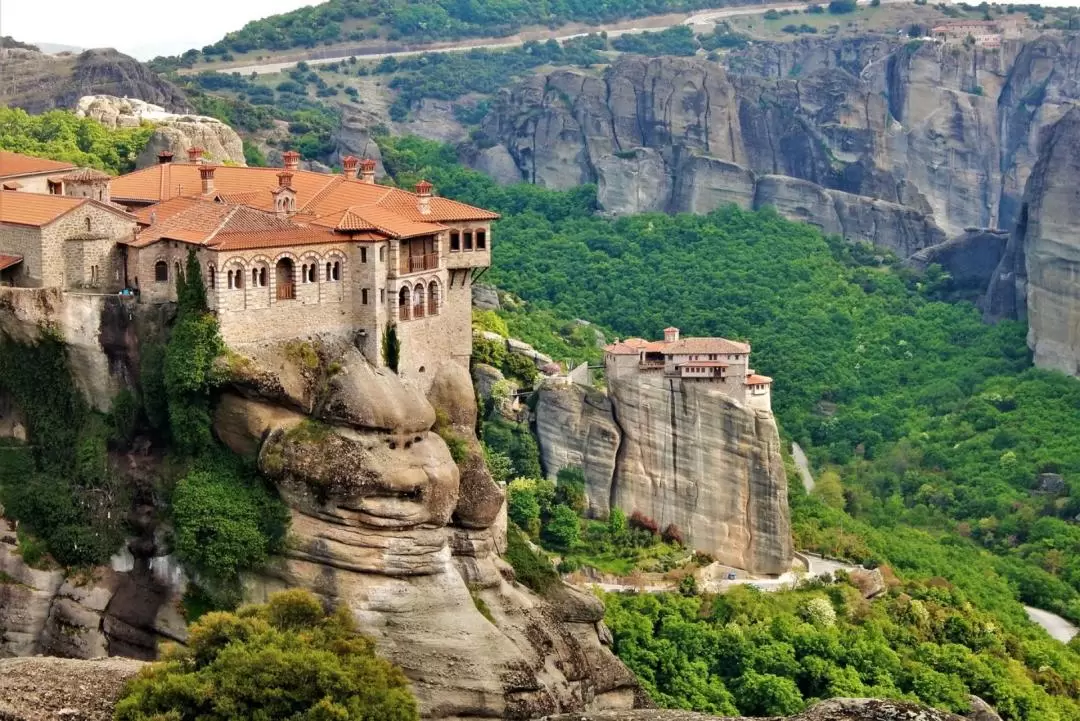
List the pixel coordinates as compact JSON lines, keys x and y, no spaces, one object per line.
{"x":386,"y":521}
{"x":679,"y":453}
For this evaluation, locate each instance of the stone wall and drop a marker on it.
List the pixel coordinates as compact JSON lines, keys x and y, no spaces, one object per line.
{"x":26,"y":241}
{"x":36,"y":183}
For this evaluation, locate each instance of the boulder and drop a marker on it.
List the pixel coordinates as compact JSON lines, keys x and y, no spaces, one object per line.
{"x":497,"y":162}
{"x":982,"y":711}
{"x":485,"y":297}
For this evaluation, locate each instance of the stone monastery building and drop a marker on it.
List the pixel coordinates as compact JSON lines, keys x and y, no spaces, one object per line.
{"x":285,"y":252}
{"x":717,"y":361}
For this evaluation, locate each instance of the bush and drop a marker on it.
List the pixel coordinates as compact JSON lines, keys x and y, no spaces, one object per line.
{"x":531,"y":568}
{"x":564,"y":527}
{"x":288,"y":659}
{"x":841,"y":7}
{"x":642,"y":522}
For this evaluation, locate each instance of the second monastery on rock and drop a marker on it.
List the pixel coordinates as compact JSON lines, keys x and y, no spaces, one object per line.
{"x":284,"y":251}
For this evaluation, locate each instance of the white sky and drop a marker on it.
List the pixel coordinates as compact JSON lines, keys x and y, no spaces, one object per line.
{"x":142,"y":28}
{"x":147,"y":28}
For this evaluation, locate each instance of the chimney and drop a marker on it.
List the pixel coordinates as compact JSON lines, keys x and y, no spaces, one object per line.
{"x":164,"y":157}
{"x":194,"y":155}
{"x":350,"y":163}
{"x":671,"y":335}
{"x":423,"y":197}
{"x":206,"y":172}
{"x":292,"y":160}
{"x":367,"y":171}
{"x":284,"y":179}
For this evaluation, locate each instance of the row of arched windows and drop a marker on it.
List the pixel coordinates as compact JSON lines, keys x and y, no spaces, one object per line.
{"x":418,"y":301}
{"x":468,"y":240}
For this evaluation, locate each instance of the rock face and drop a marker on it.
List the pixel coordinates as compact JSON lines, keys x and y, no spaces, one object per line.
{"x":387,"y":523}
{"x":46,"y":689}
{"x":680,"y":453}
{"x":971,"y":259}
{"x":896,"y":143}
{"x":837,"y":709}
{"x":38,"y":82}
{"x":1036,"y":278}
{"x":174,"y":133}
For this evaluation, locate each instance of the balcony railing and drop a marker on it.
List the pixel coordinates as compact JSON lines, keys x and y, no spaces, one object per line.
{"x":286,"y":291}
{"x":403,"y":312}
{"x":419,"y":263}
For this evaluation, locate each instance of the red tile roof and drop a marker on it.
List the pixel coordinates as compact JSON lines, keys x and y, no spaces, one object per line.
{"x":40,"y":209}
{"x":15,"y":164}
{"x":623,"y":348}
{"x":684,"y":346}
{"x":6,"y":261}
{"x":87,"y":175}
{"x":755,"y":380}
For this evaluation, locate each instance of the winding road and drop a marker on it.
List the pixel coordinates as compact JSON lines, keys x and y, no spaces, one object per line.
{"x":649,"y":24}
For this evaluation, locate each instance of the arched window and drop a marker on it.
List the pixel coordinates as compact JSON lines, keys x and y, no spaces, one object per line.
{"x":455,"y":241}
{"x":161,"y":272}
{"x":211,"y":279}
{"x":337,"y":270}
{"x":262,"y":277}
{"x":254,"y":277}
{"x":403,"y":303}
{"x":418,"y":301}
{"x":481,"y":240}
{"x":286,"y":289}
{"x":468,"y":240}
{"x":88,"y":225}
{"x":229,"y":282}
{"x":239,"y":279}
{"x":328,"y":268}
{"x":433,"y":298}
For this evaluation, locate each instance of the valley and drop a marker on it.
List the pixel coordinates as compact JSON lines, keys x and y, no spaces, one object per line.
{"x":500,"y":360}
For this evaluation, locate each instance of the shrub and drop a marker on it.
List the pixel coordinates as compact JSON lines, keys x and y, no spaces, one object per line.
{"x":391,"y":348}
{"x":642,"y":522}
{"x":531,"y":568}
{"x":564,"y":527}
{"x":841,"y":7}
{"x":288,"y":659}
{"x":673,"y":535}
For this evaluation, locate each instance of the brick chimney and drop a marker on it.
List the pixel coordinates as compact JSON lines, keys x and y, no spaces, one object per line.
{"x":195,"y":154}
{"x":423,"y":197}
{"x":284,"y":179}
{"x":671,"y":335}
{"x":292,"y":160}
{"x":350,"y":163}
{"x":206,"y":172}
{"x":367,"y":171}
{"x":164,"y":157}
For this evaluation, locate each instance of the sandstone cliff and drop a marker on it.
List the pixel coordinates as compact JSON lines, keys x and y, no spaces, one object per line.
{"x":1036,"y":279}
{"x":877,"y":139}
{"x":173,"y":132}
{"x":681,"y":453}
{"x":38,"y":82}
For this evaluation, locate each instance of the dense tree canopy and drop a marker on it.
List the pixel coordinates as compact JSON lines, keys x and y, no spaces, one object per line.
{"x":60,"y":135}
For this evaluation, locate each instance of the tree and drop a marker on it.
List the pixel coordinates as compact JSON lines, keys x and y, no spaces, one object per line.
{"x":391,"y":348}
{"x":288,"y":659}
{"x":522,"y":506}
{"x":564,"y":528}
{"x":829,"y":489}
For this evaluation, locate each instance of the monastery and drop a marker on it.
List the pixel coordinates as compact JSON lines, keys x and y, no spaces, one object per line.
{"x":717,"y":361}
{"x":284,"y":252}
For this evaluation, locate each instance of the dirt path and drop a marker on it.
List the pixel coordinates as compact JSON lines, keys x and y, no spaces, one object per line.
{"x":629,"y":27}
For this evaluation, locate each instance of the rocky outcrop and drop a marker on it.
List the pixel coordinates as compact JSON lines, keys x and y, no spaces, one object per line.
{"x":38,"y":82}
{"x":681,"y":453}
{"x":970,"y":259}
{"x":174,"y":132}
{"x":837,"y":709}
{"x":385,"y":521}
{"x":1036,"y":279}
{"x":47,"y":689}
{"x":880,"y":140}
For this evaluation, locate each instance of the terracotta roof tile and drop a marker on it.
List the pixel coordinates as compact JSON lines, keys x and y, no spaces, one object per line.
{"x":87,"y":175}
{"x":686,"y":346}
{"x":13,"y":164}
{"x":34,"y":209}
{"x":754,"y":380}
{"x":373,"y":217}
{"x":298,"y":235}
{"x":6,"y":261}
{"x":168,"y":180}
{"x":621,"y":349}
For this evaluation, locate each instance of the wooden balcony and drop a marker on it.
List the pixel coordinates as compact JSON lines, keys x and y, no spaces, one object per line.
{"x":286,"y":291}
{"x":419,"y":263}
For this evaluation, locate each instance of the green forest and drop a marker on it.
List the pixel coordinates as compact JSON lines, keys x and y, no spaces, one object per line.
{"x":60,"y":135}
{"x":428,"y":20}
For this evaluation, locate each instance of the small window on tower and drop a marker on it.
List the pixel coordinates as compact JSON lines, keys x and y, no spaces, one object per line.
{"x":363,"y":255}
{"x":363,"y":296}
{"x":161,"y":271}
{"x":455,"y":241}
{"x":468,"y":240}
{"x":481,"y":240}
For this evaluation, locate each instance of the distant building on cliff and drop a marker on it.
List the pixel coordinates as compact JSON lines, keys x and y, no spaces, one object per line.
{"x":718,"y":361}
{"x":284,"y":252}
{"x":984,"y":33}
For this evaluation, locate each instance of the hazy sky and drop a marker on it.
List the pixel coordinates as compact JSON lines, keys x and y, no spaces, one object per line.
{"x":143,"y":28}
{"x":132,"y":26}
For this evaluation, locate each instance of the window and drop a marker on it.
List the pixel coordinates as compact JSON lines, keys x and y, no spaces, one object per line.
{"x":328,"y":271}
{"x":337,"y":270}
{"x":231,"y":284}
{"x":468,"y":240}
{"x":311,"y":273}
{"x":382,"y":296}
{"x":481,"y":240}
{"x":211,"y":281}
{"x":254,"y":277}
{"x":455,"y":241}
{"x":363,"y":255}
{"x":433,"y":298}
{"x":239,"y":279}
{"x":382,"y":253}
{"x":89,"y":225}
{"x":262,"y":277}
{"x":161,"y":272}
{"x":303,"y":273}
{"x":404,"y":303}
{"x":418,"y":301}
{"x":363,"y":296}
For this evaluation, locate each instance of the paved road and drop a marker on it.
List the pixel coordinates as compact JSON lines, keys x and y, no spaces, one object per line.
{"x":1055,"y":625}
{"x":702,"y":18}
{"x":804,"y":467}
